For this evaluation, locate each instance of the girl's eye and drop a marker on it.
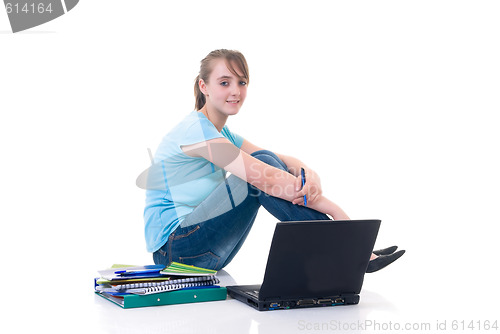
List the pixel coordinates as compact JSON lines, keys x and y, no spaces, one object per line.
{"x":224,"y":83}
{"x":243,"y":83}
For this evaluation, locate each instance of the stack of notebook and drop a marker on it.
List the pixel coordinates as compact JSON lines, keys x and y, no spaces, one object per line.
{"x":150,"y":285}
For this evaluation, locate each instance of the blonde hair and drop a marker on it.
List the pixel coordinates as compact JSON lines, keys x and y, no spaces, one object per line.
{"x":231,"y":58}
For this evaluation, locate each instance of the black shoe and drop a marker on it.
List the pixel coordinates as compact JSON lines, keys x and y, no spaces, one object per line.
{"x":383,"y":261}
{"x":385,"y":251}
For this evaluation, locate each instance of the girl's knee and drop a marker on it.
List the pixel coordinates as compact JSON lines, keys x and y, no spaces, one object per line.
{"x":269,"y":158}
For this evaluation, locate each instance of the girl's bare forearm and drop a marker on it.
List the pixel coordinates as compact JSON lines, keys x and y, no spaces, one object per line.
{"x":326,"y":206}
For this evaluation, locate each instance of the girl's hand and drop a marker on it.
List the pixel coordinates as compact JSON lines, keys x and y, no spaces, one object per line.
{"x":312,"y":188}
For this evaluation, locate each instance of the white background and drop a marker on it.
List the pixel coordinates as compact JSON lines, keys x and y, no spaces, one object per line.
{"x":393,"y":103}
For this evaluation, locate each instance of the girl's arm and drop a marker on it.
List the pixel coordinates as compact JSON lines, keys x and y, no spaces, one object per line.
{"x":271,"y":180}
{"x":224,"y":154}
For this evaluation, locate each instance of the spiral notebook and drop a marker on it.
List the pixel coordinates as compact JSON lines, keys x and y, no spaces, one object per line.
{"x":172,"y":287}
{"x":146,"y":288}
{"x":149,"y":284}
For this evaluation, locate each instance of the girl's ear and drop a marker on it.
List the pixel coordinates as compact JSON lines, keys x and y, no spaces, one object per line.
{"x":203,"y":86}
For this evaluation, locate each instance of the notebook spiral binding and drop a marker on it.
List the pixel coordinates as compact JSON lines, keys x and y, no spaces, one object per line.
{"x":172,"y":282}
{"x":170,"y":287}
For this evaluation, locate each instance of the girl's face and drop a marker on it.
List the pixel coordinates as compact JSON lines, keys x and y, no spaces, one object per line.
{"x":225,"y":92}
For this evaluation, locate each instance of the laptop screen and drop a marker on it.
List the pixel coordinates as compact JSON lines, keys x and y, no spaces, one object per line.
{"x":318,"y":258}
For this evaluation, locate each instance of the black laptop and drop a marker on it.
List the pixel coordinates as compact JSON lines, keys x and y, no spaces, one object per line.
{"x":313,"y":264}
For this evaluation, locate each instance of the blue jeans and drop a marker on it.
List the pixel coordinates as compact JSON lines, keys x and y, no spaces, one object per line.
{"x":214,"y":232}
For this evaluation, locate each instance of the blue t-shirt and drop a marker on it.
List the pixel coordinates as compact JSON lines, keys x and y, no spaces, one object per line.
{"x":177,"y":183}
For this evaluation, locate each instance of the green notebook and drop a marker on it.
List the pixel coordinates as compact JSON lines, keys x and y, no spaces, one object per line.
{"x":168,"y":298}
{"x":181,"y":269}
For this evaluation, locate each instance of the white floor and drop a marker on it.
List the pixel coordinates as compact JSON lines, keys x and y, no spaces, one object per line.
{"x":392,"y":299}
{"x":423,"y":290}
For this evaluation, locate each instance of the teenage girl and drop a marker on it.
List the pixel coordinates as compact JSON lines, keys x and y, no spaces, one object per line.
{"x":194,"y":214}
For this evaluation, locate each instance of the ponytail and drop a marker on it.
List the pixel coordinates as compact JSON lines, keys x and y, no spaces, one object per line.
{"x":232,"y":59}
{"x":199,"y":97}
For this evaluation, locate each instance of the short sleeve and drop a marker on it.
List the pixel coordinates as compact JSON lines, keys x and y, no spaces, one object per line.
{"x":199,"y":131}
{"x":234,"y":138}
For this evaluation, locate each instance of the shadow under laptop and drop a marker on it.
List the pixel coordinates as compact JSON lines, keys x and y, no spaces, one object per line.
{"x":359,"y":318}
